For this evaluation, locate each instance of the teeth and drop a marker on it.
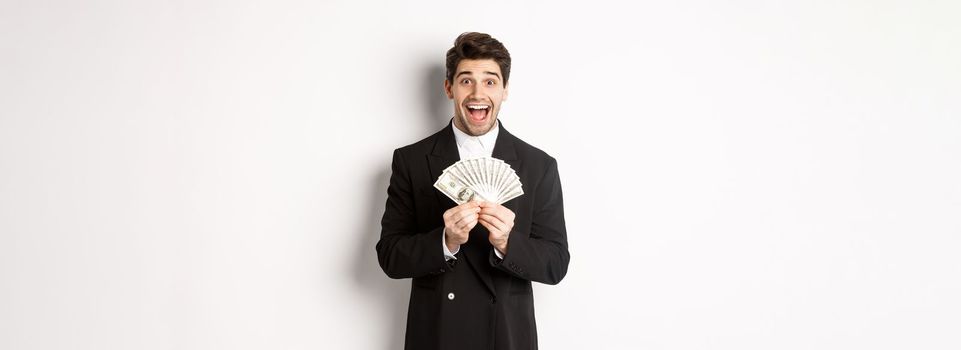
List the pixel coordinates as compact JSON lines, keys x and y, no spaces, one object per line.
{"x":477,"y":107}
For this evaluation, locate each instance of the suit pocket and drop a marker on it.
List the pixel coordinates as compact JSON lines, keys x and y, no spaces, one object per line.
{"x":427,"y":282}
{"x":430,"y":192}
{"x":427,"y":191}
{"x":519,"y":286}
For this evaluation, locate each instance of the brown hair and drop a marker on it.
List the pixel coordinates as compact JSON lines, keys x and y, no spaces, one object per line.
{"x":474,"y":46}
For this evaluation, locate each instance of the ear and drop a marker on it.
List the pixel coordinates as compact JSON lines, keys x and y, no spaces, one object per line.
{"x":447,"y":89}
{"x":505,"y":93}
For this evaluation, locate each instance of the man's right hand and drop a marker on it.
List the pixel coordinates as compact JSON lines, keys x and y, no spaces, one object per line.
{"x":458,"y":221}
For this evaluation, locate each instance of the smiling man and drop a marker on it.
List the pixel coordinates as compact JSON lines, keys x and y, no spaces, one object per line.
{"x":472,"y":264}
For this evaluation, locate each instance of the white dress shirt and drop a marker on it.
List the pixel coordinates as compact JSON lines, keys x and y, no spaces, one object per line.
{"x":472,"y":147}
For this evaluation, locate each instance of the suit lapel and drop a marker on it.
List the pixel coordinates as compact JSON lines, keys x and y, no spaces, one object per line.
{"x":441,"y":157}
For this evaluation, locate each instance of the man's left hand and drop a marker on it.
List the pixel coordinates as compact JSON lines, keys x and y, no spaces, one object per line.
{"x":499,"y":221}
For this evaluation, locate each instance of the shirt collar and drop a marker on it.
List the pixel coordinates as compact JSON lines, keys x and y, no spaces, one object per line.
{"x":486,"y":140}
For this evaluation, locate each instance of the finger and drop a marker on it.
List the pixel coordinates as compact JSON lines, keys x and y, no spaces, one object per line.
{"x":489,"y":205}
{"x":470,"y":213}
{"x":494,"y":230}
{"x":488,"y":226}
{"x":489,"y":211}
{"x":461,"y":230}
{"x":469,"y":224}
{"x":494,"y":222}
{"x":499,"y":211}
{"x":467,"y":221}
{"x":467,"y":216}
{"x":462,"y":207}
{"x":506,"y":216}
{"x":461,"y":210}
{"x":467,"y":213}
{"x":493,"y":206}
{"x":493,"y":219}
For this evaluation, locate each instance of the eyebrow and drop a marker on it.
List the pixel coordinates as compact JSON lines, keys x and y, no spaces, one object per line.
{"x":471,"y":73}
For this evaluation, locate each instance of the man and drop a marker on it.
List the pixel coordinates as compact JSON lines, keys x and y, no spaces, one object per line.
{"x":472,"y":264}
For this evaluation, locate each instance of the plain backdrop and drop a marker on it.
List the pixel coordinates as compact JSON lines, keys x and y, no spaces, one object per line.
{"x":737,"y":174}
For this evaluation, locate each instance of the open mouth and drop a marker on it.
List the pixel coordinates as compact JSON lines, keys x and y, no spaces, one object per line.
{"x":478,"y":112}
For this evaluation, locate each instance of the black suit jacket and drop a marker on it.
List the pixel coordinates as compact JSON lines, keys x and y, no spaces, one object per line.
{"x":477,"y":301}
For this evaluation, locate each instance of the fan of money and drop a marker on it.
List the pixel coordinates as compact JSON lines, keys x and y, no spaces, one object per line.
{"x":488,"y":179}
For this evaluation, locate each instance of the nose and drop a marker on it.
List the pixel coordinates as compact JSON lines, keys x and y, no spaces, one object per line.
{"x":474,"y":91}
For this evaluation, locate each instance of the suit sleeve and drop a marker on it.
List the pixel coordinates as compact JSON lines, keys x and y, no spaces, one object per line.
{"x":540,"y":255}
{"x":402,"y":252}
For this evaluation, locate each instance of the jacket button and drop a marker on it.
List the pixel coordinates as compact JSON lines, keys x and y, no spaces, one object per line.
{"x":450,"y":296}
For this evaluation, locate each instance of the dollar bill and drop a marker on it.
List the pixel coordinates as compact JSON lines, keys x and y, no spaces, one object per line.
{"x":488,"y":179}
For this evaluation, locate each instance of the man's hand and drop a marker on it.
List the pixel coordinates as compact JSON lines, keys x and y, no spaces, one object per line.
{"x":458,"y":221}
{"x":499,"y":221}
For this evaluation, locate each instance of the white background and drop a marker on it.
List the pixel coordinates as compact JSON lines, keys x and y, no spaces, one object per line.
{"x":737,"y":174}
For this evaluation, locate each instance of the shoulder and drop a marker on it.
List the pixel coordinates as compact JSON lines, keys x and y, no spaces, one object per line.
{"x":424,"y":146}
{"x":532,"y":155}
{"x":536,"y":162}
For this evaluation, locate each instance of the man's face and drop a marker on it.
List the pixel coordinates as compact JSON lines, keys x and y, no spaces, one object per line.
{"x":477,"y":90}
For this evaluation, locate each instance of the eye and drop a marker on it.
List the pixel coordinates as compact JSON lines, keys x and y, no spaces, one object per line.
{"x":465,"y":81}
{"x":491,"y":83}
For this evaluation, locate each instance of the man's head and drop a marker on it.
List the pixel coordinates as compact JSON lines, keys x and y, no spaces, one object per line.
{"x":478,"y":67}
